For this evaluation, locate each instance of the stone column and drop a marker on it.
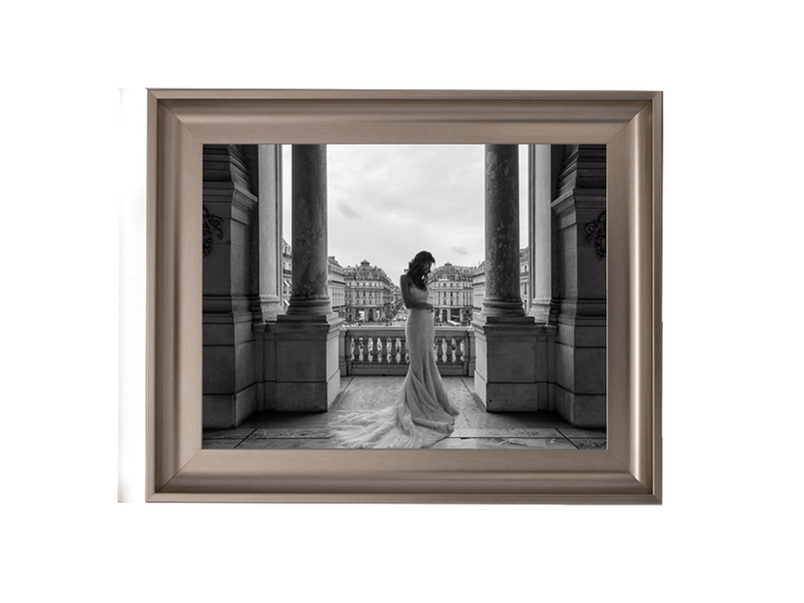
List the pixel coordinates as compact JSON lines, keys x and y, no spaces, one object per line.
{"x":310,"y":295}
{"x":511,"y":366}
{"x":539,"y":229}
{"x":269,"y":233}
{"x":306,"y":363}
{"x":502,"y":298}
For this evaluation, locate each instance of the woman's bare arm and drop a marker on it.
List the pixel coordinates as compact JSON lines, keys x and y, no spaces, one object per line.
{"x":404,"y":284}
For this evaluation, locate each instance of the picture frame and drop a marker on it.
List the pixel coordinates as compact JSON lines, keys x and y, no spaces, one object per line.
{"x":180,"y":122}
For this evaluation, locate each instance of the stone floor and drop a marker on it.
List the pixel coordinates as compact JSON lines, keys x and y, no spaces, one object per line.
{"x":474,"y":427}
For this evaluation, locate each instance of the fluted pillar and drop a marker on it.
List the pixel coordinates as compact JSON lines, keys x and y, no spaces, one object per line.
{"x":268,"y":240}
{"x":502,"y":298}
{"x":309,"y":295}
{"x":539,"y":228}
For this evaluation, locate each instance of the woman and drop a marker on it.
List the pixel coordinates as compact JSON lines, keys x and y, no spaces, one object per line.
{"x":422,"y":413}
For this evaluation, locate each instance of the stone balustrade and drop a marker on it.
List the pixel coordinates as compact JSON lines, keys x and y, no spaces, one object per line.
{"x":368,"y":350}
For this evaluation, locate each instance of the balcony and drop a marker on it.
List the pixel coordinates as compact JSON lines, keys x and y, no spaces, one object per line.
{"x":369,"y":350}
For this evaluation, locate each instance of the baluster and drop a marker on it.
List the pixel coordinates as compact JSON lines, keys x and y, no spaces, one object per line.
{"x":405,"y":351}
{"x":438,"y":343}
{"x":394,"y":349}
{"x":360,"y":349}
{"x":458,"y":350}
{"x":384,"y":350}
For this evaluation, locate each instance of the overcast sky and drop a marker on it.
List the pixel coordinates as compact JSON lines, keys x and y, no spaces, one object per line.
{"x":388,"y":202}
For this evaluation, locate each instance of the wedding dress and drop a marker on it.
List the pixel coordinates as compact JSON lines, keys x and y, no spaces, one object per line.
{"x":422,"y":413}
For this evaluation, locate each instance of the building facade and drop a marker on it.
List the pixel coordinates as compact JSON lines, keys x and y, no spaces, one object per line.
{"x":336,"y":284}
{"x":452,"y":294}
{"x":369,"y":294}
{"x":478,"y":289}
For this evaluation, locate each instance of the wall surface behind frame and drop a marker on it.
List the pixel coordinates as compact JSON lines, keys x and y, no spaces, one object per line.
{"x":75,"y":257}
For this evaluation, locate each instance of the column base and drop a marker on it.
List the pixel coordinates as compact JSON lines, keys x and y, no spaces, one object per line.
{"x":581,"y":410}
{"x":309,"y":307}
{"x":540,"y":311}
{"x":513,"y":364}
{"x":325,"y":317}
{"x":228,"y":370}
{"x":308,"y":376}
{"x":270,"y":306}
{"x":581,"y":365}
{"x":502,"y":309}
{"x":227,"y":411}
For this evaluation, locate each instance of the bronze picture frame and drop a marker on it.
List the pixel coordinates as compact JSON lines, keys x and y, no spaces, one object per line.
{"x":180,"y":122}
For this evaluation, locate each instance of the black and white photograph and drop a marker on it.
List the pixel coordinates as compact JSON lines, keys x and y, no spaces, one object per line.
{"x":404,"y":296}
{"x":285,"y":326}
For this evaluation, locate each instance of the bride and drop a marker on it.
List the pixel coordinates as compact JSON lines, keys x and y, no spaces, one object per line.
{"x":422,"y":413}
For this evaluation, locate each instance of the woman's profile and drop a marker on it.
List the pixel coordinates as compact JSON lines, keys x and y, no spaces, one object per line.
{"x":422,"y":413}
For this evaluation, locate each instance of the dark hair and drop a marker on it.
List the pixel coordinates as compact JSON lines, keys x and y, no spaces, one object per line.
{"x":419,"y":268}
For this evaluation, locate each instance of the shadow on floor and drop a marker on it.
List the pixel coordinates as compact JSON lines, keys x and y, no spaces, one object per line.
{"x":474,"y":427}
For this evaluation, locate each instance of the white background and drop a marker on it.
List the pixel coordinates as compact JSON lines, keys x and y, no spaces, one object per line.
{"x":73,"y":237}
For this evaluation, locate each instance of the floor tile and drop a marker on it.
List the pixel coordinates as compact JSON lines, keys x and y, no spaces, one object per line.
{"x":510,"y":432}
{"x":290,"y":432}
{"x":474,"y":427}
{"x":575,"y":432}
{"x":289,"y":443}
{"x":236,"y":433}
{"x":220,"y":444}
{"x":589,"y":443}
{"x":504,"y":443}
{"x":369,"y":393}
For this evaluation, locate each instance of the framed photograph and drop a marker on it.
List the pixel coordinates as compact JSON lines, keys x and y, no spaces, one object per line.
{"x":524,"y":366}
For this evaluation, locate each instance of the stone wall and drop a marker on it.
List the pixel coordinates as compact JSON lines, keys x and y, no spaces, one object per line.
{"x":579,"y":212}
{"x":230,"y":204}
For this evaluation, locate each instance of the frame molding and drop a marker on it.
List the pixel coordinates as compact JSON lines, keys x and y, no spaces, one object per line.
{"x":181,"y":121}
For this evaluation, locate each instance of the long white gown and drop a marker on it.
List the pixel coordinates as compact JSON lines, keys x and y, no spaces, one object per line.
{"x":422,"y":413}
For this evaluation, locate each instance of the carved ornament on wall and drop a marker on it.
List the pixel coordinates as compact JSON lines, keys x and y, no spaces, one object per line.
{"x":211,"y":223}
{"x":597,"y":230}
